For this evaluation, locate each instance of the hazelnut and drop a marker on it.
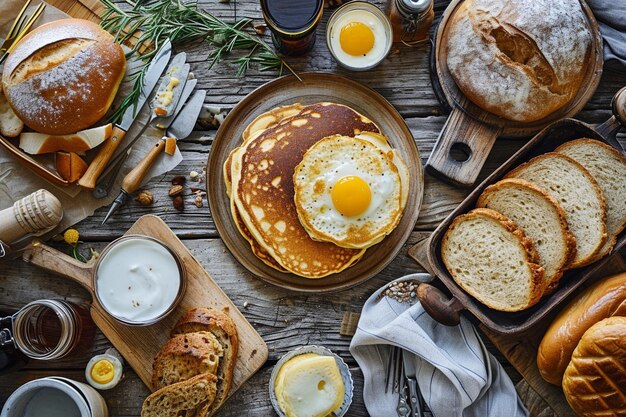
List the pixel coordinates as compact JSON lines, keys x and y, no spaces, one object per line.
{"x":198,"y":200}
{"x":145,"y":198}
{"x":179,"y":203}
{"x":178,"y":180}
{"x":176,"y":190}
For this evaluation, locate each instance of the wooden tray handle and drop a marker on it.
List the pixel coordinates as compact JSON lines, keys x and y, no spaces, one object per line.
{"x":462,"y":149}
{"x":446,"y":311}
{"x":59,"y":263}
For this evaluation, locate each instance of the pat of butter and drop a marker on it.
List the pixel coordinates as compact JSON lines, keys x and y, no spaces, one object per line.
{"x":310,"y":387}
{"x":167,"y":95}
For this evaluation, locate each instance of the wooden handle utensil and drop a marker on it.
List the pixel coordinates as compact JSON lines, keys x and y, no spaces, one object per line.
{"x":34,"y":214}
{"x":90,"y":177}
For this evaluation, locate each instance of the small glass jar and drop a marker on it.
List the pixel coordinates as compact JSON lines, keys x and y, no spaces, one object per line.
{"x":411,"y":20}
{"x":52,"y":329}
{"x":292,"y":23}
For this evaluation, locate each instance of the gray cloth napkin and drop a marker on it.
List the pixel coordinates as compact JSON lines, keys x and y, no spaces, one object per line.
{"x":458,"y":377}
{"x":611,"y":16}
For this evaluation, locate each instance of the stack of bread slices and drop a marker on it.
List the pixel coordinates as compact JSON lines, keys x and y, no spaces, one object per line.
{"x":193,"y":372}
{"x":559,"y":211}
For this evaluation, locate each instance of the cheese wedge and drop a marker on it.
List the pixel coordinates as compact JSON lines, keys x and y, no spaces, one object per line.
{"x":279,"y":383}
{"x":311,"y":387}
{"x":38,"y":143}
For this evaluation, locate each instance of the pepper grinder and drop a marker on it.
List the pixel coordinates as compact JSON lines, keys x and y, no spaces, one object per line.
{"x":34,"y":214}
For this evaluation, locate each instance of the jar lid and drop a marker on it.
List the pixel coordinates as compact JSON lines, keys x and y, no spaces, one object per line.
{"x":414,"y":6}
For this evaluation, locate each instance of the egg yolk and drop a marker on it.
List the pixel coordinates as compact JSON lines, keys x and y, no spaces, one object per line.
{"x":356,"y":38}
{"x":102,"y":371}
{"x":351,"y":196}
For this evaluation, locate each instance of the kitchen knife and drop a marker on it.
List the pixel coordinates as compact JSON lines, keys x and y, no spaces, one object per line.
{"x":153,"y":73}
{"x":180,"y":129}
{"x":409,"y":373}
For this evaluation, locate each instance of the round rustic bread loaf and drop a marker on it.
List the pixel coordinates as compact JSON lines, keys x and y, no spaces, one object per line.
{"x":595,"y":380}
{"x":62,"y":77}
{"x":519,"y":59}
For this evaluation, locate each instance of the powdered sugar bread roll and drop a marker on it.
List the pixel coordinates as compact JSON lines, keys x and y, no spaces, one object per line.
{"x":62,"y":77}
{"x":521,"y":60}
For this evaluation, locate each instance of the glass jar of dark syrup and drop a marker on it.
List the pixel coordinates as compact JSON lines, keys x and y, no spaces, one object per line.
{"x":292,"y":23}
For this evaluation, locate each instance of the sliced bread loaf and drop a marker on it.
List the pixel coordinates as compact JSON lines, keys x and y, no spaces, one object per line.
{"x":185,"y":356}
{"x":542,"y":219}
{"x":578,"y":194}
{"x":608,"y":167}
{"x":182,"y":398}
{"x":222,"y":326}
{"x":492,"y":259}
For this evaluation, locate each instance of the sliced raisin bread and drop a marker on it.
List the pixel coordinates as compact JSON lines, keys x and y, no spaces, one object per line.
{"x":492,"y":259}
{"x":608,"y":167}
{"x":542,"y":219}
{"x":224,"y":329}
{"x":185,"y":356}
{"x":181,"y":398}
{"x":578,"y":193}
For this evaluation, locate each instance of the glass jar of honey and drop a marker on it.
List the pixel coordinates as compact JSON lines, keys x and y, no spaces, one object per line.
{"x":52,"y":329}
{"x":292,"y":23}
{"x":411,"y":20}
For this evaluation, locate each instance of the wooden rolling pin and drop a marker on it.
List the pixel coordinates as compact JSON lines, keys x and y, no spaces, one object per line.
{"x":34,"y":214}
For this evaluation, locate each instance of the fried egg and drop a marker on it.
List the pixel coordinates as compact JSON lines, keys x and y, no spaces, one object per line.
{"x":348,"y":191}
{"x":358,"y":39}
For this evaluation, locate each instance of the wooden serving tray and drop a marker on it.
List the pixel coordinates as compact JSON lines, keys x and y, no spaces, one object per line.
{"x":139,"y":345}
{"x":314,"y":88}
{"x":471,"y":130}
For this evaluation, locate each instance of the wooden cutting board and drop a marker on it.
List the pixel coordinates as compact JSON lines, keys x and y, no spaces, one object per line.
{"x":139,"y":345}
{"x":541,"y":398}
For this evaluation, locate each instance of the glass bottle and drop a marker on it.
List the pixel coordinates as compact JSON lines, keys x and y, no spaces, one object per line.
{"x":292,"y":23}
{"x":410,"y":20}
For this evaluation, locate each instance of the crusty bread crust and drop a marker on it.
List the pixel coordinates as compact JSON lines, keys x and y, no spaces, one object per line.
{"x":605,"y":298}
{"x":220,"y":324}
{"x":570,"y":240}
{"x":529,"y":252}
{"x":181,"y":398}
{"x":598,"y":191}
{"x":593,"y":383}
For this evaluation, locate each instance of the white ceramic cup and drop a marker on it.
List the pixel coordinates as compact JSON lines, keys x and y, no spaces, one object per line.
{"x":58,"y":396}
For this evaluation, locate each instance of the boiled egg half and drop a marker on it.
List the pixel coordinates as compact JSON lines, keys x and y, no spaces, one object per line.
{"x":359,"y":38}
{"x":104,"y":371}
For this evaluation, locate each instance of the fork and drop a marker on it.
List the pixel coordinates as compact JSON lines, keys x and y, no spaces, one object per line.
{"x":395,"y":377}
{"x":21,"y":25}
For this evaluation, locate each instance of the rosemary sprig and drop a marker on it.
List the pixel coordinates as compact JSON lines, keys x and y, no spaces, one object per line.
{"x":151,"y":22}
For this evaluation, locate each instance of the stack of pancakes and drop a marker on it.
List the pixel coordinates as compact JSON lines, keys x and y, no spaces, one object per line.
{"x":281,"y":178}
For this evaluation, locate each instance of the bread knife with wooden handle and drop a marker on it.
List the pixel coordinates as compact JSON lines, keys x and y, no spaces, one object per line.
{"x":158,"y":64}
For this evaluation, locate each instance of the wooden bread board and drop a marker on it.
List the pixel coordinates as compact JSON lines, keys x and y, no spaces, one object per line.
{"x":521,"y":349}
{"x":139,"y":345}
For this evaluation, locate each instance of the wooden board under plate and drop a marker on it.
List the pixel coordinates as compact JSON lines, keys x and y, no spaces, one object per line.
{"x":314,"y":88}
{"x":138,"y":345}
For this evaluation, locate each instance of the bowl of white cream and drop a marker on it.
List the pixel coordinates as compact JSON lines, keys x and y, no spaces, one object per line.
{"x":138,"y":280}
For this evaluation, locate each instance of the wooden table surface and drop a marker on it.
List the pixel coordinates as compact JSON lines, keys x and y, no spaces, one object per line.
{"x":285,"y":319}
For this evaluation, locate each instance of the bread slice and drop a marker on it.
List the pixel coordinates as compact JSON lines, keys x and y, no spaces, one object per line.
{"x":578,"y":193}
{"x":608,"y":167}
{"x":10,"y":124}
{"x":185,"y":356}
{"x":492,"y":259}
{"x":182,"y":398}
{"x":224,"y":329}
{"x":542,"y":219}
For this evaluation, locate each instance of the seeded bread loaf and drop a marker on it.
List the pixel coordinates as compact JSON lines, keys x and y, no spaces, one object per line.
{"x":491,"y":258}
{"x":521,"y":60}
{"x":594,"y":383}
{"x":578,"y":194}
{"x":542,"y":219}
{"x":218,"y":323}
{"x":608,"y":167}
{"x":182,"y":398}
{"x":185,"y":356}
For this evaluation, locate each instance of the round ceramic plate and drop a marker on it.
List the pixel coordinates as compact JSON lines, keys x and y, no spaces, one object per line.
{"x":314,"y":88}
{"x":322,"y":351}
